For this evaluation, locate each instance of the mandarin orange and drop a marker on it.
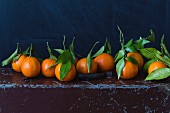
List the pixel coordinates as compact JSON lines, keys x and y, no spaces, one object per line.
{"x":30,"y":67}
{"x":105,"y":62}
{"x":16,"y":65}
{"x":130,"y":70}
{"x":69,"y":76}
{"x":138,"y":58}
{"x":82,"y":66}
{"x":156,"y":65}
{"x":45,"y":70}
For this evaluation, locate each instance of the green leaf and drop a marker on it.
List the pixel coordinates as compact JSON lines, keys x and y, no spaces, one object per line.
{"x":129,"y":43}
{"x":60,"y":51}
{"x":16,"y":57}
{"x":50,"y":52}
{"x":121,"y":37}
{"x":153,"y":50}
{"x":105,"y":48}
{"x":89,"y":59}
{"x":73,"y":58}
{"x":160,"y":58}
{"x":144,"y":41}
{"x":26,"y":52}
{"x":130,"y":49}
{"x":163,"y":47}
{"x":131,"y":59}
{"x":147,"y":64}
{"x":119,"y":67}
{"x":149,"y":53}
{"x":120,"y":55}
{"x":137,"y":46}
{"x":166,"y":58}
{"x":89,"y":62}
{"x":65,"y":68}
{"x":64,"y":57}
{"x":159,"y":74}
{"x":71,"y":47}
{"x":100,"y":51}
{"x":9,"y":60}
{"x":108,"y":47}
{"x":151,"y":37}
{"x":140,"y":43}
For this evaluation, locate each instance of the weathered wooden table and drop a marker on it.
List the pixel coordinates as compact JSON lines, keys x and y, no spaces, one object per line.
{"x":106,"y":95}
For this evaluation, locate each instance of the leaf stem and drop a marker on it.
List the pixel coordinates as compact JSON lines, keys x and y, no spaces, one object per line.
{"x":162,"y":42}
{"x":93,"y":46}
{"x":163,"y":60}
{"x":121,"y":38}
{"x":50,"y":53}
{"x":8,"y":60}
{"x":64,"y":41}
{"x":163,"y":47}
{"x":73,"y":40}
{"x":30,"y":53}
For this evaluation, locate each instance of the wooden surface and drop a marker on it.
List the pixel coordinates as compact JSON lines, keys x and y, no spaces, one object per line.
{"x":41,"y":95}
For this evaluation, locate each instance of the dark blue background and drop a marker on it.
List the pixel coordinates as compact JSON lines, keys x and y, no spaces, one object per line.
{"x":39,"y":21}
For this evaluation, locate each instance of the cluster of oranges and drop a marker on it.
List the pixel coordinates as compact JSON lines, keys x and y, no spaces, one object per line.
{"x":31,"y":67}
{"x":127,"y":62}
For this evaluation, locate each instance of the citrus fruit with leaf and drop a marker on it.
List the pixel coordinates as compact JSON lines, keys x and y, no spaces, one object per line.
{"x":65,"y":69}
{"x":69,"y":76}
{"x":130,"y":70}
{"x":16,"y":58}
{"x":83,"y":68}
{"x":30,"y":66}
{"x":138,"y":58}
{"x":74,"y":59}
{"x":126,"y":58}
{"x":87,"y":65}
{"x":105,"y":62}
{"x":47,"y":68}
{"x":156,"y":65}
{"x":16,"y":65}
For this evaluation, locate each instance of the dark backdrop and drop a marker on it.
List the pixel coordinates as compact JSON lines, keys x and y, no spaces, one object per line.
{"x":39,"y":21}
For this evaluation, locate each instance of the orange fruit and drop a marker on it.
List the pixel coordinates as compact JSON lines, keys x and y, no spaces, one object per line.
{"x":16,"y":65}
{"x":138,"y":58}
{"x":82,"y":66}
{"x":130,"y":70}
{"x":105,"y":62}
{"x":45,"y":70}
{"x":30,"y":67}
{"x":156,"y":65}
{"x":70,"y":75}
